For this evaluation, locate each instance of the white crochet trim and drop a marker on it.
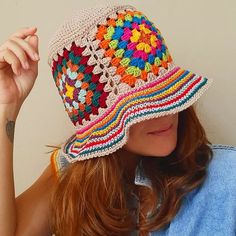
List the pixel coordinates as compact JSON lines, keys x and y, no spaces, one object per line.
{"x":80,"y":26}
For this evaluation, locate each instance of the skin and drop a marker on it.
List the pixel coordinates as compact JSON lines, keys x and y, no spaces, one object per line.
{"x":28,"y":214}
{"x":140,"y":143}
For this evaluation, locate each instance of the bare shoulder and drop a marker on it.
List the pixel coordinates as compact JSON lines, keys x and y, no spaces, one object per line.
{"x":33,"y":206}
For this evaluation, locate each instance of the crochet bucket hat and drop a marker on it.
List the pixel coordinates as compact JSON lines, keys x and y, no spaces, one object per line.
{"x":113,"y":69}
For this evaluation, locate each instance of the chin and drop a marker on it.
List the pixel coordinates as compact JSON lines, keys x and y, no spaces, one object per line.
{"x":161,"y":150}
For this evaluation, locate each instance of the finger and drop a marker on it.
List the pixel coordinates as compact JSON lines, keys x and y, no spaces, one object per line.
{"x":34,"y":43}
{"x":10,"y":58}
{"x":19,"y":52}
{"x":28,"y":48}
{"x":24,"y":32}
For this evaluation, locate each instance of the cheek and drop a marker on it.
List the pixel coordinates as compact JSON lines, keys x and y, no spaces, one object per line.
{"x":152,"y":145}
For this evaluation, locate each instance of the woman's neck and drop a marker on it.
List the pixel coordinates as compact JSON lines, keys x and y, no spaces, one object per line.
{"x":129,"y":162}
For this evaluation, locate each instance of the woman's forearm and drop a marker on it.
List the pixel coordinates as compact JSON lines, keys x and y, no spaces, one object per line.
{"x":7,"y":190}
{"x":19,"y":59}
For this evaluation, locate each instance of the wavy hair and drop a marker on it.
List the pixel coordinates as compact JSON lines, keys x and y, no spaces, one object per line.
{"x":91,"y":197}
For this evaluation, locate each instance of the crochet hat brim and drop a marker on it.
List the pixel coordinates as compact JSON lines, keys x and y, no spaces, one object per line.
{"x":171,"y":92}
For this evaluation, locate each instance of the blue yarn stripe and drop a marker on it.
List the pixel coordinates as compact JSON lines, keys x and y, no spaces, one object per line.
{"x":146,"y":113}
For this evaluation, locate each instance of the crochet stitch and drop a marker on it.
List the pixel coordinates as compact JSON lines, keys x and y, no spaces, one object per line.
{"x":113,"y":69}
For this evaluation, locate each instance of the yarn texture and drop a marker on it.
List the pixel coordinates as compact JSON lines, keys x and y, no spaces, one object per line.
{"x":113,"y":69}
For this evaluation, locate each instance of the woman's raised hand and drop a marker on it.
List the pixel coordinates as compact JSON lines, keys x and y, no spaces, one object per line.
{"x":18,"y":68}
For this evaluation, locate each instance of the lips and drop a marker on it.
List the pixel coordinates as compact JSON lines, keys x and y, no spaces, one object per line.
{"x":161,"y":130}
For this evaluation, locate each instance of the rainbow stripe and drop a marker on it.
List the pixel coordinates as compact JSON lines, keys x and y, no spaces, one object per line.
{"x":178,"y":89}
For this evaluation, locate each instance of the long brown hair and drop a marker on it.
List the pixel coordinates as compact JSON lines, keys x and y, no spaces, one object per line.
{"x":90,"y":197}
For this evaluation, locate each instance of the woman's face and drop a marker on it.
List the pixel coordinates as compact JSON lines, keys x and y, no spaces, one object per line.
{"x":143,"y":140}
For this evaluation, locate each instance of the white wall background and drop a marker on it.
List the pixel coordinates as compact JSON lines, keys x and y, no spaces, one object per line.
{"x":200,"y":35}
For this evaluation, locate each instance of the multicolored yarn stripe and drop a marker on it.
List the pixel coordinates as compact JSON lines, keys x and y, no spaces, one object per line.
{"x":81,"y":91}
{"x":112,"y":71}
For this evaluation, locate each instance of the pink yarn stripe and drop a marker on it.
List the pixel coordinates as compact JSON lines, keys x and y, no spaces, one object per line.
{"x":154,"y":83}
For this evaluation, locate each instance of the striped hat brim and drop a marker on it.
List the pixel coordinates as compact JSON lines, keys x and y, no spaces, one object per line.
{"x":172,"y":92}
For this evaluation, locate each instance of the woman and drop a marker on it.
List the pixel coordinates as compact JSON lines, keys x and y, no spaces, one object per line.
{"x":139,"y":161}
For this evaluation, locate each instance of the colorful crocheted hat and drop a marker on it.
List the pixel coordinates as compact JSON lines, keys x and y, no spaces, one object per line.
{"x":113,"y":69}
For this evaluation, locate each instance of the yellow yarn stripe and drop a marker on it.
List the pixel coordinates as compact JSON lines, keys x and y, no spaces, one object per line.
{"x":151,"y":90}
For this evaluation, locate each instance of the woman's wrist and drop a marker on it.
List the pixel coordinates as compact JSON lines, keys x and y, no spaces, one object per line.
{"x":7,"y":123}
{"x":8,"y":112}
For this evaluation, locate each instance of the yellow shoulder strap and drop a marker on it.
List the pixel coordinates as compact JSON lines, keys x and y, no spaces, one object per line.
{"x":58,"y":162}
{"x":55,"y":163}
